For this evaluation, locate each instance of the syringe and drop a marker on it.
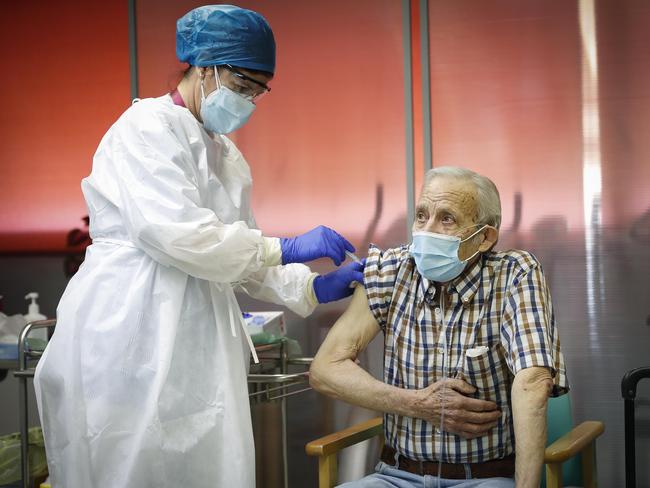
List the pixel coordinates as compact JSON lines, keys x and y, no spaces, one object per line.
{"x":353,"y":257}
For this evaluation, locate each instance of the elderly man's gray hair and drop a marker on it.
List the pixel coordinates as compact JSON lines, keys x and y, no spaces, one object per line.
{"x":487,"y":195}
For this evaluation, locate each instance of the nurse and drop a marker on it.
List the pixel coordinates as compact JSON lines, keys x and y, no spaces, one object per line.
{"x":144,"y":381}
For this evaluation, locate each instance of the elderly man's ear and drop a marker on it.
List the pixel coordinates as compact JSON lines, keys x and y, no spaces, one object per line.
{"x":490,"y":238}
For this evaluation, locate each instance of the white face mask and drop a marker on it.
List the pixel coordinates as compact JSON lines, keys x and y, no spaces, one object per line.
{"x":224,"y":110}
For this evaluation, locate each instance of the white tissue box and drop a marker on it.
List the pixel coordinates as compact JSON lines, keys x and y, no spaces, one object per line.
{"x":265,"y":324}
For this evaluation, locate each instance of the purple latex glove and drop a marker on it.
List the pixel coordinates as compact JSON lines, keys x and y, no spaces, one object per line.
{"x":320,"y":242}
{"x":336,"y":285}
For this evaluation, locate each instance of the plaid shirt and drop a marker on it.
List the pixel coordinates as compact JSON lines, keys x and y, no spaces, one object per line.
{"x":501,"y":302}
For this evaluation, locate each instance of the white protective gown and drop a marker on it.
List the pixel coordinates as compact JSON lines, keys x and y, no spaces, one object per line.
{"x":143,"y":383}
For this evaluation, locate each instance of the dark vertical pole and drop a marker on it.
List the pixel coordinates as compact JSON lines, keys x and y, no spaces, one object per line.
{"x":24,"y":428}
{"x":408,"y":114}
{"x":630,"y":450}
{"x":133,"y":50}
{"x":22,"y":403}
{"x":426,"y":84}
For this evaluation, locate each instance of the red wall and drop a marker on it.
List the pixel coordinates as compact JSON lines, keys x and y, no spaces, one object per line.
{"x":505,"y":90}
{"x":624,"y":60}
{"x":506,"y":101}
{"x":66,"y":79}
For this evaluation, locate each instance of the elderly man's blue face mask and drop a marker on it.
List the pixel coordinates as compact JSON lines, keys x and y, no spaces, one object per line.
{"x":436,"y":255}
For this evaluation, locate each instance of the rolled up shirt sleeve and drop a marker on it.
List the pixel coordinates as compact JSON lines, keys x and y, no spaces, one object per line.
{"x":528,"y":332}
{"x":379,"y":276}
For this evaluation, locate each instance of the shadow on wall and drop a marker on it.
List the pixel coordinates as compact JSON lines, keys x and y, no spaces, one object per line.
{"x":640,"y":232}
{"x":78,"y":240}
{"x":640,"y":228}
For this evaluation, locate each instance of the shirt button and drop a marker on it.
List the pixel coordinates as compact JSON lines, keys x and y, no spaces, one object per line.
{"x":437,"y":311}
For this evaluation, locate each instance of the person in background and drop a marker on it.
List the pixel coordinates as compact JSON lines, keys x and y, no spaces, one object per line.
{"x":144,"y":381}
{"x":466,"y":329}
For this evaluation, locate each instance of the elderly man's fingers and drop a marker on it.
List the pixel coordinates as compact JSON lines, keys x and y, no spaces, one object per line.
{"x":471,"y":434}
{"x":460,"y":386}
{"x":467,"y":429}
{"x":480,"y":418}
{"x":476,"y":405}
{"x":463,"y":417}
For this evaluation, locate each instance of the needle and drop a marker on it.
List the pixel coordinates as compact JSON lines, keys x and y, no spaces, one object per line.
{"x":352,"y":257}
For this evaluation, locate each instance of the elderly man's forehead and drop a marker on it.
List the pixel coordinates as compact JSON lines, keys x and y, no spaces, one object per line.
{"x":453,"y":193}
{"x":450,"y":186}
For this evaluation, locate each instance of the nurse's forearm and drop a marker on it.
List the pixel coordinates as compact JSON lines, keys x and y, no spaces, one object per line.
{"x":530,"y":391}
{"x":272,"y":251}
{"x":289,"y":285}
{"x":221,"y":253}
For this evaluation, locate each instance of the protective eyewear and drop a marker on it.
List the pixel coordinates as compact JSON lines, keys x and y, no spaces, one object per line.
{"x":249,"y":93}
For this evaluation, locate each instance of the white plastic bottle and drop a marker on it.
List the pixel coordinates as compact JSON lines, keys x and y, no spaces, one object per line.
{"x":33,"y":314}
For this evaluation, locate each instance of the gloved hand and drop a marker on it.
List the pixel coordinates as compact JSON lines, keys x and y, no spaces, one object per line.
{"x":336,"y":285}
{"x":320,"y":242}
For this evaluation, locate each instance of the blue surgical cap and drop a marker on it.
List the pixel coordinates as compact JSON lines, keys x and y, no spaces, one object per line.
{"x":224,"y":34}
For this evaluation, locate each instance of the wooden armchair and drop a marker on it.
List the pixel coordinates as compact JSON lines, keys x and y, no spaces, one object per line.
{"x":561,"y":449}
{"x":328,"y":447}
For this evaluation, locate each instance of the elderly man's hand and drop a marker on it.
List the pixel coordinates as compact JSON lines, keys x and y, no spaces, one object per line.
{"x":467,"y":417}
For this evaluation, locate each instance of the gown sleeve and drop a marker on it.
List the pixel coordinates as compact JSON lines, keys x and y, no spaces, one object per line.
{"x":289,"y":285}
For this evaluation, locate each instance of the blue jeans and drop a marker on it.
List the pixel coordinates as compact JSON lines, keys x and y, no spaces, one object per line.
{"x":386,"y":476}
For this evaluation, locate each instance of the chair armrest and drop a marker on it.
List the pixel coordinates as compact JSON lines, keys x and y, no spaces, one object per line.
{"x":573,"y":441}
{"x":345,"y":438}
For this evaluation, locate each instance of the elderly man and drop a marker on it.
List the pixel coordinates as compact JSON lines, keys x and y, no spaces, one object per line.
{"x":471,"y":353}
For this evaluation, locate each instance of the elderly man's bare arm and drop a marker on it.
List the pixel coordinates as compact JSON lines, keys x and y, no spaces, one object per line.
{"x":530,"y":391}
{"x":335,"y":373}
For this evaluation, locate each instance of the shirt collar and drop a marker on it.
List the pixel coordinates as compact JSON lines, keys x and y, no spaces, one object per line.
{"x":466,"y":284}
